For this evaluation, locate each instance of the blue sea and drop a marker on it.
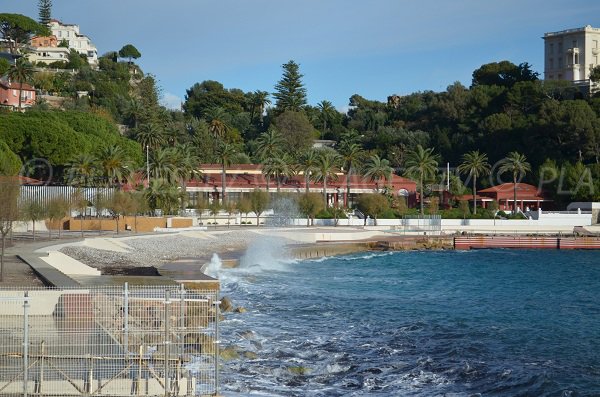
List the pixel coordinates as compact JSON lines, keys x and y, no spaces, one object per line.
{"x":485,"y":322}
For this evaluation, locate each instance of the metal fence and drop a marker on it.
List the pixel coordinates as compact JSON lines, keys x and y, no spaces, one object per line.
{"x":109,"y":341}
{"x":43,"y":194}
{"x":429,"y":224}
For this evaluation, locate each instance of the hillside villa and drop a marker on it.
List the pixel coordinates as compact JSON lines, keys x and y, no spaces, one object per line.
{"x":9,"y":94}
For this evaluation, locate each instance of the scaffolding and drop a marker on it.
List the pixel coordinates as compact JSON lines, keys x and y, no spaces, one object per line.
{"x":109,"y":341}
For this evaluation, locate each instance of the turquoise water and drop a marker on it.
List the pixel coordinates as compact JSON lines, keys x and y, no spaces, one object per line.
{"x":489,"y":322}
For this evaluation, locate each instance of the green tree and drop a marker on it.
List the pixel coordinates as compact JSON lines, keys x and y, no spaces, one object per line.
{"x":373,"y":205}
{"x":225,"y":152}
{"x":114,"y":165}
{"x":100,"y":203}
{"x":326,"y":113}
{"x":80,"y":202}
{"x":259,"y":100}
{"x":377,"y":168}
{"x":83,"y":170}
{"x":463,"y":206}
{"x":130,"y":52}
{"x":310,"y":204}
{"x":474,"y":164}
{"x":34,"y":212}
{"x":58,"y":208}
{"x":421,"y":163}
{"x":121,"y":203}
{"x":296,"y":131}
{"x":259,"y":202}
{"x":9,"y":210}
{"x":162,"y":165}
{"x":516,"y":164}
{"x":21,"y":72}
{"x":45,"y":11}
{"x":269,"y":144}
{"x":244,"y":206}
{"x":202,"y":97}
{"x":17,"y":29}
{"x":151,"y":135}
{"x":328,"y":163}
{"x":595,"y":74}
{"x":214,"y":208}
{"x":290,"y":93}
{"x":351,"y":155}
{"x":308,"y":165}
{"x":280,"y":168}
{"x":4,"y":66}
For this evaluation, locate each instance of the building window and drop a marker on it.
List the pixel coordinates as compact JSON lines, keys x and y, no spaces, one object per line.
{"x":560,"y":76}
{"x":574,"y":43}
{"x":551,"y":63}
{"x":560,"y":48}
{"x":560,"y":64}
{"x":551,"y":48}
{"x":576,"y":59}
{"x":551,"y":77}
{"x":60,"y":33}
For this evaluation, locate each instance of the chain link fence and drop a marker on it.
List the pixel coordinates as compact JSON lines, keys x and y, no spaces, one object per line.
{"x":109,"y":341}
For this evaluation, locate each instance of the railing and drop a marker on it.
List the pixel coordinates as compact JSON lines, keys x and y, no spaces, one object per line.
{"x":117,"y":341}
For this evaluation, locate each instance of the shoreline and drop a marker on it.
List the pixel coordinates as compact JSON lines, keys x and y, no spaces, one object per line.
{"x":184,"y":256}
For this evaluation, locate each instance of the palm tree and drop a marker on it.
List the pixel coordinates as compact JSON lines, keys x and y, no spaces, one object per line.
{"x":225,"y":151}
{"x":421,"y":163}
{"x":114,"y":165}
{"x":134,"y":111}
{"x":328,"y":161}
{"x":515,"y":163}
{"x":186,"y":163}
{"x":21,"y":72}
{"x":474,"y":164}
{"x":308,"y":166}
{"x":151,"y":135}
{"x":258,"y":102}
{"x":82,"y":170}
{"x":269,"y":144}
{"x":327,"y":111}
{"x":279,"y":167}
{"x":351,"y":155}
{"x":377,"y":168}
{"x":162,"y":165}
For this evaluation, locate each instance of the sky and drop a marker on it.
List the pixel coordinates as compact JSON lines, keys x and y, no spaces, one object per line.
{"x":374,"y":48}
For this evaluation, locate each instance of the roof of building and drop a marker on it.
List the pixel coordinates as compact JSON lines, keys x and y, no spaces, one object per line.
{"x":6,"y":84}
{"x":251,"y":176}
{"x":525,"y":191}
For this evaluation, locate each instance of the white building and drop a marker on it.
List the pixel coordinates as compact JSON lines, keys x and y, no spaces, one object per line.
{"x":571,"y":54}
{"x":77,"y":41}
{"x":48,"y":55}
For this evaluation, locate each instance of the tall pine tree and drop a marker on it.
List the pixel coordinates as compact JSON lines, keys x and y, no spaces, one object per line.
{"x":289,"y":91}
{"x":45,"y":11}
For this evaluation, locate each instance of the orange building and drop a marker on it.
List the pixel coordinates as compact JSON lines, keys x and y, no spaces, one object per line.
{"x":244,"y":178}
{"x":9,"y":94}
{"x":528,"y":196}
{"x":44,"y":41}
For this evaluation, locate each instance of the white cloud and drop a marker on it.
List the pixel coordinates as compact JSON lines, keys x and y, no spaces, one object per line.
{"x":171,"y":101}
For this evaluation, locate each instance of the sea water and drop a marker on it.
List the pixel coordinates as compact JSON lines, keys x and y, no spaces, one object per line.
{"x":486,"y":322}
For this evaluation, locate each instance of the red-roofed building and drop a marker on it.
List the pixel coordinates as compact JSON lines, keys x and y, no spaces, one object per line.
{"x":9,"y":94}
{"x":244,"y":178}
{"x":528,"y":196}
